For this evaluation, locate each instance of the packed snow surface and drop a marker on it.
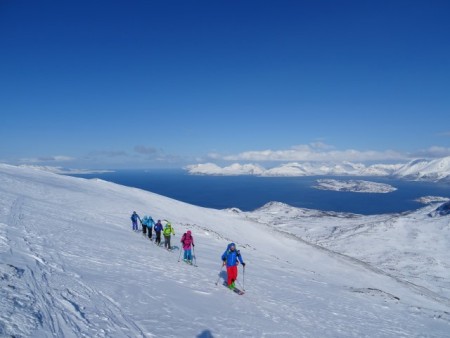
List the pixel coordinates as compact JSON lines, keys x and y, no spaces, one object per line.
{"x":70,"y":266}
{"x":354,"y":186}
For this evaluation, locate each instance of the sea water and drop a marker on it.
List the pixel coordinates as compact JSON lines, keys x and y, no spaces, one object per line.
{"x":251,"y":192}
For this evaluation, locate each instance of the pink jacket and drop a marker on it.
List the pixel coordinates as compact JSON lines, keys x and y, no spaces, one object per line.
{"x":187,"y":240}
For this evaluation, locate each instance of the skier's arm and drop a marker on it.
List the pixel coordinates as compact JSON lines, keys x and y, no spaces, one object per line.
{"x":240,"y":258}
{"x":224,"y":256}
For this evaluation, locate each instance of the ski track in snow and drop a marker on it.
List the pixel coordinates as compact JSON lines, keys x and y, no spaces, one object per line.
{"x":59,"y":300}
{"x":71,"y":266}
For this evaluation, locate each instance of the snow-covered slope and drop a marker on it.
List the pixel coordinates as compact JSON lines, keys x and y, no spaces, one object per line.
{"x":64,"y":171}
{"x":70,"y":266}
{"x":435,"y":170}
{"x":421,"y":169}
{"x":412,"y":247}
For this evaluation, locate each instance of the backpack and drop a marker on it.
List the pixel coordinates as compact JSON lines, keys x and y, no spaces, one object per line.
{"x":186,"y":239}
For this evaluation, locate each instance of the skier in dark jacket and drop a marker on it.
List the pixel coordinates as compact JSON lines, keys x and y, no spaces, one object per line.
{"x":158,"y":229}
{"x":231,"y":258}
{"x":134,"y":218}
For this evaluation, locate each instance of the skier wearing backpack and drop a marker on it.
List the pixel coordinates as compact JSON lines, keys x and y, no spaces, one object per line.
{"x":158,"y":228}
{"x":144,"y":221}
{"x":231,"y":258}
{"x":149,"y":222}
{"x":134,"y":218}
{"x":168,"y":231}
{"x":187,"y":240}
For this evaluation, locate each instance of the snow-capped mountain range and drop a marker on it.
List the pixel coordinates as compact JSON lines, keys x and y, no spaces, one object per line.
{"x":70,"y":266}
{"x":420,"y":169}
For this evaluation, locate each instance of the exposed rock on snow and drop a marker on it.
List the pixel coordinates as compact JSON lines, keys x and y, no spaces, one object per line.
{"x":354,"y":186}
{"x":442,"y":210}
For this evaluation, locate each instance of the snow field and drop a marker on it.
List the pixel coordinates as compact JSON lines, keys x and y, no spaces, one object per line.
{"x":71,"y":266}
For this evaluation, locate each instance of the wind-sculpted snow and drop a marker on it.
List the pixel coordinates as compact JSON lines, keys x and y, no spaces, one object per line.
{"x":354,"y":186}
{"x":70,"y":266}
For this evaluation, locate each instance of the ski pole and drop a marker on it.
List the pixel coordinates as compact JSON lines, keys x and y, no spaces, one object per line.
{"x":219,"y":274}
{"x":243,"y":279}
{"x":179,"y":256}
{"x":240,"y":285}
{"x":194,"y":258}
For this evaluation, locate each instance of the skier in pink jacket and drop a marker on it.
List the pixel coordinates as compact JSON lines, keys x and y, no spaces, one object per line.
{"x":187,"y":240}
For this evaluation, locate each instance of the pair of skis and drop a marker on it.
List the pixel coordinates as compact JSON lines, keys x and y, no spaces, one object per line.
{"x":235,"y":289}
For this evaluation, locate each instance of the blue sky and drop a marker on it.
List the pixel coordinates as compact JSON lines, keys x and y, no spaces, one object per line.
{"x":141,"y":84}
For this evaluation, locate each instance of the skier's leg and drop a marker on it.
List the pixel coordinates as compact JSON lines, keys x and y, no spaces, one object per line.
{"x":229,"y":275}
{"x":232,"y":275}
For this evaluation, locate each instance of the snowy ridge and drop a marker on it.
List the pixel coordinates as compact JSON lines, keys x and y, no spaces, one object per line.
{"x":71,"y":266}
{"x":64,"y":171}
{"x":421,"y":169}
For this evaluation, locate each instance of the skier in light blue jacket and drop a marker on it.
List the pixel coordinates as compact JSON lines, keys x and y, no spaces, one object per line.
{"x":149,"y":223}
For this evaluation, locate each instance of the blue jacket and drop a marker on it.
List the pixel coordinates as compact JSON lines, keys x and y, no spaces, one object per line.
{"x":158,"y":227}
{"x":231,"y":257}
{"x":135,"y":217}
{"x":148,"y":221}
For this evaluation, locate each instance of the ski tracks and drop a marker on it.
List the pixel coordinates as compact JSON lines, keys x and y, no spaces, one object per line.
{"x":46,"y":297}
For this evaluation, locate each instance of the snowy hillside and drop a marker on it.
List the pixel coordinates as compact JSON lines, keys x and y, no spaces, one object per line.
{"x":410,"y":247}
{"x":70,"y":266}
{"x":426,"y":170}
{"x":435,"y":170}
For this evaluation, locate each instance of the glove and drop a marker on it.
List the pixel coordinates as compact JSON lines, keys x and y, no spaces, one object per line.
{"x":243,"y":264}
{"x":193,"y":244}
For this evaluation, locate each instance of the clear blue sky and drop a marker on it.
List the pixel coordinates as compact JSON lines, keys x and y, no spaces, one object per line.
{"x":127,"y":84}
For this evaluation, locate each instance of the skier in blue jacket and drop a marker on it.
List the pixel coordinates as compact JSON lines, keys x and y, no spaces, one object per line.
{"x":158,"y":230}
{"x":231,"y":258}
{"x":149,"y":223}
{"x":134,"y":218}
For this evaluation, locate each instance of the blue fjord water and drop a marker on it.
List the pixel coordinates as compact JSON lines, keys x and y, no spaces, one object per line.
{"x":249,"y":192}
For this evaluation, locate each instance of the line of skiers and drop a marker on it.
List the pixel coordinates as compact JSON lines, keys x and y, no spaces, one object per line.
{"x":148,"y":225}
{"x":230,"y":258}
